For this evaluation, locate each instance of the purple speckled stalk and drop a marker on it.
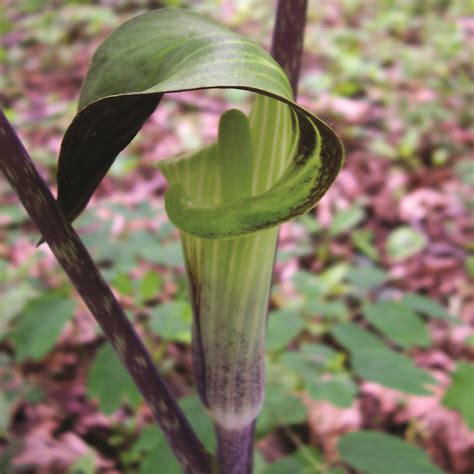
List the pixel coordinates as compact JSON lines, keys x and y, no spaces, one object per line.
{"x":235,"y":448}
{"x":288,"y":38}
{"x":81,"y":270}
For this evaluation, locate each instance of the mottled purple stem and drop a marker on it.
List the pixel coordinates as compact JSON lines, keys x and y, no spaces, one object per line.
{"x":288,"y":38}
{"x":70,"y":252}
{"x":235,"y":448}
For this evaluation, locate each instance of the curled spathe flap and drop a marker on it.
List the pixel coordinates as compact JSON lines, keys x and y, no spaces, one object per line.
{"x":176,"y":50}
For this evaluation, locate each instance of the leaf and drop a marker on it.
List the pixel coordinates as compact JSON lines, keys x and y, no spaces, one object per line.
{"x":340,"y":390}
{"x":13,"y":301}
{"x":304,"y":461}
{"x":158,"y":455}
{"x":123,"y":283}
{"x":371,"y":452}
{"x":308,"y":284}
{"x":311,"y":366}
{"x":172,"y":321}
{"x":109,"y":382}
{"x":172,"y":50}
{"x":346,"y":219}
{"x":84,"y":465}
{"x":283,"y":326}
{"x":150,"y":285}
{"x":168,"y":255}
{"x":398,"y":323}
{"x":469,"y":266}
{"x":319,"y":354}
{"x":300,"y":364}
{"x":465,"y":171}
{"x":373,"y":360}
{"x":363,"y":241}
{"x":39,"y":325}
{"x":280,"y":408}
{"x":461,"y":391}
{"x":5,"y":406}
{"x":333,"y":310}
{"x":404,"y":242}
{"x":425,"y":305}
{"x":333,"y":276}
{"x":367,"y":278}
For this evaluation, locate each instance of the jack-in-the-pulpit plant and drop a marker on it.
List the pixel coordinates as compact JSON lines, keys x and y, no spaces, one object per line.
{"x":226,"y":199}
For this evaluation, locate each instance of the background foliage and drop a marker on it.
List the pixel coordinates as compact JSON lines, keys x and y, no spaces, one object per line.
{"x":370,"y":339}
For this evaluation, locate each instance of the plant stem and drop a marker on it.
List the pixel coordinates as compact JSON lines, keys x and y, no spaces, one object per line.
{"x":81,"y":270}
{"x":288,"y":37}
{"x":235,"y":450}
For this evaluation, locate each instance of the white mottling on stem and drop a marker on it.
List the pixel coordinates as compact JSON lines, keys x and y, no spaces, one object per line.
{"x":141,"y":362}
{"x":107,"y":303}
{"x":174,"y":423}
{"x":162,"y":406}
{"x":72,"y":252}
{"x":120,"y":345}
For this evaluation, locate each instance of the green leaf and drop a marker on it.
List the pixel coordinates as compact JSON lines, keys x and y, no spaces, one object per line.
{"x":373,"y":360}
{"x":308,"y":284}
{"x":371,"y":452}
{"x":84,"y":465}
{"x":333,"y":310}
{"x":168,"y":255}
{"x":340,"y":390}
{"x":345,"y":220}
{"x":123,"y":283}
{"x":39,"y":325}
{"x":319,"y":354}
{"x":280,"y":408}
{"x":283,"y":327}
{"x":398,"y":323}
{"x":461,"y":392}
{"x":469,"y":266}
{"x":304,"y":461}
{"x":465,"y":171}
{"x":5,"y":406}
{"x":404,"y":242}
{"x":172,"y":321}
{"x":311,"y":366}
{"x":366,"y":278}
{"x":110,"y":383}
{"x":425,"y":305}
{"x":363,"y":241}
{"x":158,"y":455}
{"x":333,"y":276}
{"x":300,"y":364}
{"x":172,"y":50}
{"x":13,"y":301}
{"x":150,"y":285}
